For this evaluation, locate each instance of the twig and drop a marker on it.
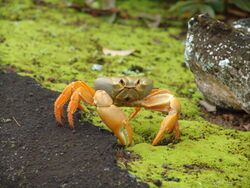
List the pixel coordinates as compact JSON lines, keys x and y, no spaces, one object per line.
{"x":16,"y":121}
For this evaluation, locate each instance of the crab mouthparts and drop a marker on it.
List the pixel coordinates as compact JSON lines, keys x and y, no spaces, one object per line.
{"x":128,"y":95}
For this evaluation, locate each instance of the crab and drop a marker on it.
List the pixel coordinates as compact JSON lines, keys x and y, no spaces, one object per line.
{"x":110,"y":93}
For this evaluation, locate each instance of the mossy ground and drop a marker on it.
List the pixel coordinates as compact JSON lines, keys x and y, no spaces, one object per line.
{"x":57,"y":45}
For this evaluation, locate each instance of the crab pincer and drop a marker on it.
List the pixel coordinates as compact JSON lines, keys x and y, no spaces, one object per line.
{"x":113,"y":117}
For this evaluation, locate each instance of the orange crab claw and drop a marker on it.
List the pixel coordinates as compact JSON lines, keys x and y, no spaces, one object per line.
{"x":163,"y":101}
{"x":169,"y":124}
{"x":113,"y":117}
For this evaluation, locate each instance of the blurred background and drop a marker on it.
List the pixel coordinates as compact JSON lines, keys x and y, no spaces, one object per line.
{"x":180,"y":10}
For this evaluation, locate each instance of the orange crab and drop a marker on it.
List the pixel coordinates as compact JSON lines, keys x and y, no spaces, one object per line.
{"x":109,"y":93}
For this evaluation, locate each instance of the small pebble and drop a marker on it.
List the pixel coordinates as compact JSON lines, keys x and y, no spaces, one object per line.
{"x":172,"y":179}
{"x":5,"y":120}
{"x":106,"y":169}
{"x":97,"y":67}
{"x":158,"y":183}
{"x":132,"y":176}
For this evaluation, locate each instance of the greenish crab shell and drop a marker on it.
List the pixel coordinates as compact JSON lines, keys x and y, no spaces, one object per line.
{"x":124,"y":90}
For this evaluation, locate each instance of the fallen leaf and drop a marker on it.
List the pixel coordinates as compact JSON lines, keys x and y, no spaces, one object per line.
{"x":207,"y":106}
{"x":110,"y":52}
{"x":152,"y":21}
{"x":247,"y":127}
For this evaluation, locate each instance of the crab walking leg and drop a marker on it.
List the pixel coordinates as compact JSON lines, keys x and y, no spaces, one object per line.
{"x":77,"y":96}
{"x":59,"y":103}
{"x":81,"y":107}
{"x":73,"y":104}
{"x":135,"y":112}
{"x":65,"y":96}
{"x":162,"y":100}
{"x":113,"y":117}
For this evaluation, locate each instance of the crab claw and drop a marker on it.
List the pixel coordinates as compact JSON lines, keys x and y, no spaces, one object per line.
{"x":116,"y":120}
{"x":168,"y":125}
{"x":161,"y":100}
{"x":124,"y":134}
{"x":113,"y":117}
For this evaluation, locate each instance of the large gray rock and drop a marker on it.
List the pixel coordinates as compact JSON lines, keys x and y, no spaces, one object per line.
{"x":219,"y":57}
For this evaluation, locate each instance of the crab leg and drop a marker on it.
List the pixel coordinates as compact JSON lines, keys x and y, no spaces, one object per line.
{"x":113,"y":117}
{"x":163,"y":101}
{"x":167,"y":126}
{"x":60,"y":101}
{"x":76,"y":91}
{"x":135,"y":112}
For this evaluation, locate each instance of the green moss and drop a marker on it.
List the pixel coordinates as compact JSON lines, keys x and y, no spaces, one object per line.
{"x":206,"y":156}
{"x":56,"y":45}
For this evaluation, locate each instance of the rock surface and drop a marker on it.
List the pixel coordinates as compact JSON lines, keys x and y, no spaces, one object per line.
{"x":219,"y":57}
{"x":243,"y":24}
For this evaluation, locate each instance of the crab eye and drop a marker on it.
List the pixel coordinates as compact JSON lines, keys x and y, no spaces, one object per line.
{"x":122,"y":82}
{"x":138,"y":82}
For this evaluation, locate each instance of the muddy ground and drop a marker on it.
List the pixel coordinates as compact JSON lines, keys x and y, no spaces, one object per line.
{"x":34,"y":152}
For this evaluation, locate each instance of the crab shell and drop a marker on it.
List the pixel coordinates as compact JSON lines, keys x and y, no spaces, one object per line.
{"x":124,"y":90}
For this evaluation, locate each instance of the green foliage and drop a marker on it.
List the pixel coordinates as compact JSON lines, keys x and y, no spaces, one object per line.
{"x":242,"y":4}
{"x":191,"y":7}
{"x":188,"y":8}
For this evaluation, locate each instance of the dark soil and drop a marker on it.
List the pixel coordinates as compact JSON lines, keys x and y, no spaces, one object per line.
{"x":34,"y":152}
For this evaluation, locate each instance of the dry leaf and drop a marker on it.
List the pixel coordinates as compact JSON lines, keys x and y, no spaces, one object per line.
{"x":110,"y":52}
{"x":209,"y":107}
{"x":152,"y":21}
{"x":247,"y":127}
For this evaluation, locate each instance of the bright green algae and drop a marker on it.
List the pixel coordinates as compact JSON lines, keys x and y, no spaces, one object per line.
{"x":56,"y":45}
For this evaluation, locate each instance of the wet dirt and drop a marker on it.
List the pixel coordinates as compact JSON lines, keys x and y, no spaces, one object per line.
{"x":34,"y":152}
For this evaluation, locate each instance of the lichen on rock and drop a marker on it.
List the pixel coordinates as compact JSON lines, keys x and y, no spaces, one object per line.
{"x":243,"y":24}
{"x":219,"y":57}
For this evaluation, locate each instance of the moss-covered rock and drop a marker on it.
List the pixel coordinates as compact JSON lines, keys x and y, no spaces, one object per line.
{"x":219,"y":56}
